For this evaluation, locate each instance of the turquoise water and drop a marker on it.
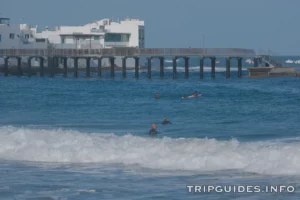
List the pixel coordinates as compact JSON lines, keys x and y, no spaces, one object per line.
{"x":66,"y":138}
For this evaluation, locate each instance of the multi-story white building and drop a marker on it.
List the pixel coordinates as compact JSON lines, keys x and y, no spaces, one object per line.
{"x":99,"y":34}
{"x":15,"y":36}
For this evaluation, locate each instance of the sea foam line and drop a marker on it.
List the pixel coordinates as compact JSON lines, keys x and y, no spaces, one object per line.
{"x":268,"y":157}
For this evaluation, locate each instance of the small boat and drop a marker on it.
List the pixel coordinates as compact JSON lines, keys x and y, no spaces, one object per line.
{"x":249,"y":61}
{"x":289,"y":61}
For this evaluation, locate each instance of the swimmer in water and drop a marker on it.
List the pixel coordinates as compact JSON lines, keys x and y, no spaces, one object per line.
{"x":153,"y":131}
{"x":156,"y":95}
{"x":165,"y":121}
{"x":195,"y":93}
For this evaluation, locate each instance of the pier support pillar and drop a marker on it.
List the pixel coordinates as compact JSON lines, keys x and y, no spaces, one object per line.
{"x":29,"y":67}
{"x":42,"y":66}
{"x":161,"y":71}
{"x":213,"y":67}
{"x":136,"y":59}
{"x":112,"y":66}
{"x":88,"y":67}
{"x":149,"y":67}
{"x":174,"y":67}
{"x":255,"y":62}
{"x":99,"y":67}
{"x":201,"y":68}
{"x":20,"y":66}
{"x":228,"y":67}
{"x":65,"y":60}
{"x":124,"y":67}
{"x":186,"y":66}
{"x":5,"y":66}
{"x":240,"y":67}
{"x":76,"y":67}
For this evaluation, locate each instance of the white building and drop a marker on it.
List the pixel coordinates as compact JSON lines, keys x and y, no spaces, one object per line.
{"x":15,"y":36}
{"x":99,"y":34}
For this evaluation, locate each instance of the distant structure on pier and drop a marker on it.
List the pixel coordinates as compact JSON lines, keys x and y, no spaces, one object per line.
{"x":103,"y":33}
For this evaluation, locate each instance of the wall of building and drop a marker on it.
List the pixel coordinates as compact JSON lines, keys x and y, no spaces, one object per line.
{"x":6,"y":41}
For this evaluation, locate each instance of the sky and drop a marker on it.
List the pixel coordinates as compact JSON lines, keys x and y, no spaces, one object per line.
{"x":255,"y":24}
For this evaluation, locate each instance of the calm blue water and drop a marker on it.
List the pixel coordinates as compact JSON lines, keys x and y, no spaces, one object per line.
{"x":87,"y":138}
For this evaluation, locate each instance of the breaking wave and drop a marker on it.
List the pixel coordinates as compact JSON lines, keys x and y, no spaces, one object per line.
{"x":267,"y":157}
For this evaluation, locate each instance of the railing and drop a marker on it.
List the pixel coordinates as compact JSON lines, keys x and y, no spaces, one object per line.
{"x":271,"y":58}
{"x":116,"y":44}
{"x":129,"y":52}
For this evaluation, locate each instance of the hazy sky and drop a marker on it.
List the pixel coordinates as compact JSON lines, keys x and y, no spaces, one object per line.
{"x":256,"y":24}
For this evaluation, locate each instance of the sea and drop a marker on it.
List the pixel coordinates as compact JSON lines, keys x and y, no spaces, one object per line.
{"x":87,"y":138}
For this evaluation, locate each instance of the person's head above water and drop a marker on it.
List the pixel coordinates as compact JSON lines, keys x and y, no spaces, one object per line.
{"x":154,"y":126}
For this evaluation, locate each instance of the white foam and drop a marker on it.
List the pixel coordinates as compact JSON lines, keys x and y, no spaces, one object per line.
{"x":87,"y":190}
{"x":203,"y":155}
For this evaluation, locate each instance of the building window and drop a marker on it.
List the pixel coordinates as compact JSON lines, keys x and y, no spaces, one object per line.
{"x":117,"y":37}
{"x":26,"y":36}
{"x":12,"y":36}
{"x":40,"y":40}
{"x":96,"y":37}
{"x":62,"y":40}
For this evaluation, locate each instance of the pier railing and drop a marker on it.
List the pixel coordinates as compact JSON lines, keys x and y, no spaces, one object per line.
{"x":129,"y":52}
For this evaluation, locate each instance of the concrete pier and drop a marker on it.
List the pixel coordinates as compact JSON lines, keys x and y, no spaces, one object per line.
{"x":29,"y":67}
{"x":201,"y":68}
{"x":174,"y":68}
{"x":149,"y":68}
{"x":57,"y":61}
{"x":99,"y":68}
{"x":20,"y":66}
{"x":42,"y":60}
{"x":240,"y":67}
{"x":136,"y":59}
{"x":213,"y":67}
{"x":112,"y":66}
{"x":161,"y":66}
{"x":123,"y":67}
{"x":186,"y":67}
{"x":227,"y":67}
{"x":6,"y":67}
{"x":88,"y":67}
{"x":75,"y":67}
{"x":65,"y":63}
